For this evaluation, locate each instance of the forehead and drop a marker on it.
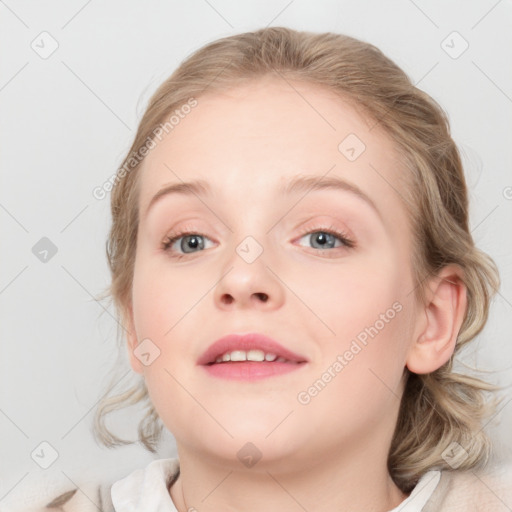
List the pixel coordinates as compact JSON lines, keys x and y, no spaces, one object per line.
{"x":250,"y":141}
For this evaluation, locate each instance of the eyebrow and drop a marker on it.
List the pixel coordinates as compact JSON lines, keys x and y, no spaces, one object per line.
{"x":295,"y":185}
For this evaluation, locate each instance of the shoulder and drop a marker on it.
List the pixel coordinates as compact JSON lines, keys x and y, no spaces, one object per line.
{"x":149,"y":485}
{"x":57,"y":493}
{"x":483,"y":491}
{"x":86,"y":493}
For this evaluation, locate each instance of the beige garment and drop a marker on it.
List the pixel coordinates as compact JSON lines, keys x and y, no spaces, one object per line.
{"x":456,"y":491}
{"x":472,"y":491}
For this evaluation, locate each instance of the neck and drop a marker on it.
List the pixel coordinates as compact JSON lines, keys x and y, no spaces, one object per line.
{"x":361,"y":484}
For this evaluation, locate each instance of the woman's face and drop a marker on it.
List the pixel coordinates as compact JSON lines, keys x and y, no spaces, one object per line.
{"x":263,"y":261}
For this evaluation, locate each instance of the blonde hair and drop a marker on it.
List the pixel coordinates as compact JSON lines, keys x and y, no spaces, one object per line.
{"x":436,"y":409}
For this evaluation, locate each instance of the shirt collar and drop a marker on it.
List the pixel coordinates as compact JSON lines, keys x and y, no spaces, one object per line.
{"x":145,"y":489}
{"x":421,"y":493}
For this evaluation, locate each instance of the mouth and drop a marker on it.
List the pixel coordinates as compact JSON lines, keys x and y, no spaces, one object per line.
{"x":249,"y":356}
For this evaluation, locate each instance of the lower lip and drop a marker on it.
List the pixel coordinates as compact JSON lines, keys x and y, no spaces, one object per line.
{"x":250,"y":370}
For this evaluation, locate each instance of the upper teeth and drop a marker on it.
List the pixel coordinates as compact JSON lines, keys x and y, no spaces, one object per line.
{"x":249,"y":355}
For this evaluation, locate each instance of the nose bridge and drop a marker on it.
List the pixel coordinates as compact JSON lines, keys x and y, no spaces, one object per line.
{"x":250,"y":227}
{"x":247,"y":278}
{"x":252,"y":240}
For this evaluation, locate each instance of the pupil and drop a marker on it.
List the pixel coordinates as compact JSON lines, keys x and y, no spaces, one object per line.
{"x":190,"y":242}
{"x":321,"y":238}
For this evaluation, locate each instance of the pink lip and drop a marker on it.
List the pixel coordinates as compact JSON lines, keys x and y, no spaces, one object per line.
{"x":248,"y":370}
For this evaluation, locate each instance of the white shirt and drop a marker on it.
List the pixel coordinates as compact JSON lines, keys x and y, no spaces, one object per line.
{"x":145,"y":490}
{"x":421,"y":493}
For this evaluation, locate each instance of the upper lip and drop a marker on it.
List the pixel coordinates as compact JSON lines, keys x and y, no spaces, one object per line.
{"x":247,"y":342}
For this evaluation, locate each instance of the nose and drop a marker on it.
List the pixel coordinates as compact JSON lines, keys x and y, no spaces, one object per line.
{"x":228,"y":298}
{"x":249,"y":285}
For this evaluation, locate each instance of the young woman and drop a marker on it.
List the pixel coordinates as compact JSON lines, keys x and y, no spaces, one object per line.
{"x":294,"y":271}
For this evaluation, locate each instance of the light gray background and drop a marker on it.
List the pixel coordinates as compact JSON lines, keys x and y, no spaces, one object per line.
{"x":67,"y":121}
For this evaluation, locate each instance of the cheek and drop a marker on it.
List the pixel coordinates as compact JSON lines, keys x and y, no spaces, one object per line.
{"x":163,"y":298}
{"x":365,"y":309}
{"x":163,"y":311}
{"x":358,"y":382}
{"x":352,"y":295}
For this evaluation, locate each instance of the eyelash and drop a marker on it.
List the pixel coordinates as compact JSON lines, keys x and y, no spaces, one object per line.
{"x":341,"y":235}
{"x":347,"y":242}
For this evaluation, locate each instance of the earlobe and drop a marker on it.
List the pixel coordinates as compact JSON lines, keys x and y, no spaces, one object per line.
{"x":443,"y":315}
{"x":131,"y":342}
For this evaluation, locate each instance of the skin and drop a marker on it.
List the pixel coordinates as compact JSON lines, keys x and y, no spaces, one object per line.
{"x":332,"y":451}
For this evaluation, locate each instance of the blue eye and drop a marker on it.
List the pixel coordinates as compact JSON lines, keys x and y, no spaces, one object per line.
{"x":189,"y":242}
{"x":326,"y":238}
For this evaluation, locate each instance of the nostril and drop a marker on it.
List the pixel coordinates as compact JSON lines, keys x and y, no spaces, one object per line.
{"x":228,"y":299}
{"x":262,"y":296}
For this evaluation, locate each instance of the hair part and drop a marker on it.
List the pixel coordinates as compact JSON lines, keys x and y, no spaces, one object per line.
{"x":437,"y":409}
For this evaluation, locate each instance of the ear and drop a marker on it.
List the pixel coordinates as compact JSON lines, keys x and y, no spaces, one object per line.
{"x":442,"y":317}
{"x":131,"y":341}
